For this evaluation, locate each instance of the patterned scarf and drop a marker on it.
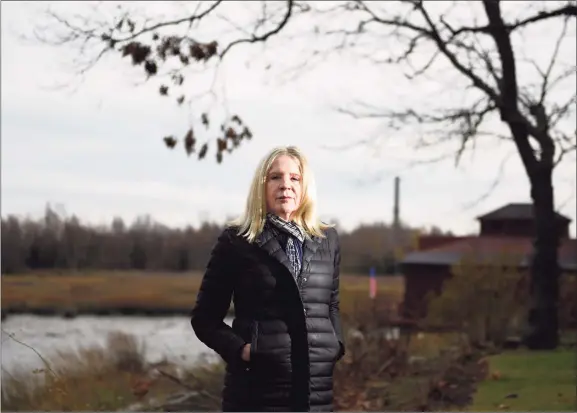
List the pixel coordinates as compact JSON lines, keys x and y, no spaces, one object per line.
{"x":293,"y":231}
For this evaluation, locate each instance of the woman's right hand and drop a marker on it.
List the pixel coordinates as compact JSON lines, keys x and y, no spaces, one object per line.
{"x":246,"y":352}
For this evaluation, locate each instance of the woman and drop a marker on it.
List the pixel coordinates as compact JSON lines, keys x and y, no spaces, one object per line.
{"x":280,"y":265}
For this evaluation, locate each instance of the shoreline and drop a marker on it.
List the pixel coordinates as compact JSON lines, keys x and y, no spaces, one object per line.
{"x":160,"y":338}
{"x":120,"y":311}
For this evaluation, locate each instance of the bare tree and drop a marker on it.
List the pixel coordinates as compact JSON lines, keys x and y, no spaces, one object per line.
{"x":475,"y":42}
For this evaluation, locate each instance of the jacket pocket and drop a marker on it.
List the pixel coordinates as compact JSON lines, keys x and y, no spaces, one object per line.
{"x":253,"y":339}
{"x":338,"y":345}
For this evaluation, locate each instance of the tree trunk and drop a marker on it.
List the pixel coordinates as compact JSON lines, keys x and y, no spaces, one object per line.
{"x":544,"y":273}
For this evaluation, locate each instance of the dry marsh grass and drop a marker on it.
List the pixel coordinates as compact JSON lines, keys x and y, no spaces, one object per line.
{"x":147,"y":291}
{"x":373,"y":376}
{"x":112,"y":377}
{"x":97,"y":378}
{"x":100,"y":290}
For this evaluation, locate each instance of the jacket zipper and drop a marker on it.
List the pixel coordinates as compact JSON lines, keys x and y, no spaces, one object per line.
{"x":297,"y":284}
{"x":299,"y":287}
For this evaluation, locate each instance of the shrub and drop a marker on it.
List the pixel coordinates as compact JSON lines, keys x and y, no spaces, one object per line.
{"x":485,"y":300}
{"x":568,"y":302}
{"x":372,"y":358}
{"x":403,"y":371}
{"x":488,"y":301}
{"x":126,"y":353}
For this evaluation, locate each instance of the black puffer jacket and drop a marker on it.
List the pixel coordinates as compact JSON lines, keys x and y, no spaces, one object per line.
{"x":295,"y":335}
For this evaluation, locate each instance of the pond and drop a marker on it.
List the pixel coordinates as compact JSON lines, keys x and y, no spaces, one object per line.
{"x":163,"y":337}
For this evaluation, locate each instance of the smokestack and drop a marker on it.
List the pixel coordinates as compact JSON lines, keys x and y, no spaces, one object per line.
{"x":396,"y":224}
{"x":396,"y":221}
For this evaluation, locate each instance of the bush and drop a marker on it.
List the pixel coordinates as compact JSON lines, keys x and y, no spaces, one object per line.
{"x":406,"y":372}
{"x":487,"y":301}
{"x":370,"y":357}
{"x":568,"y":302}
{"x":126,"y":353}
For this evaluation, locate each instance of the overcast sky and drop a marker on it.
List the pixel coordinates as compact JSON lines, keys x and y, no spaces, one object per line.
{"x":98,"y":152}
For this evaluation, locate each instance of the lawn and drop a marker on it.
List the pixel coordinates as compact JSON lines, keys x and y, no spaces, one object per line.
{"x":133,"y":291}
{"x":529,"y":381}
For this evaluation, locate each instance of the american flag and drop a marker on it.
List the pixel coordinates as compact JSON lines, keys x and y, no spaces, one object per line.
{"x":372,"y":283}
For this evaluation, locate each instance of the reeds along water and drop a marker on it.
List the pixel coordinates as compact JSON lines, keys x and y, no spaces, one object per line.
{"x":117,"y":375}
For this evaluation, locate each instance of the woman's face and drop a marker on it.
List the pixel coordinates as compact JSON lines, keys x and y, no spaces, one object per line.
{"x":283,"y":187}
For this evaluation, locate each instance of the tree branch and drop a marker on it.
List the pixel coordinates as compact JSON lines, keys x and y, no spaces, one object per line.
{"x":547,"y":74}
{"x":508,"y":104}
{"x":561,"y":111}
{"x":395,"y":22}
{"x":443,"y":47}
{"x":564,"y":151}
{"x":490,"y":71}
{"x":265,"y":36}
{"x":452,"y":123}
{"x":176,"y":22}
{"x":44,"y":361}
{"x":494,"y":184}
{"x":568,"y":10}
{"x":499,"y":32}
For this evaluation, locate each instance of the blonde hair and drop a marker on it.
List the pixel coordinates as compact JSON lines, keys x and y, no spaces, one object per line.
{"x":251,"y":223}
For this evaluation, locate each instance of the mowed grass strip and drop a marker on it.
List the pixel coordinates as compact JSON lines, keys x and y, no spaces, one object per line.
{"x":523,"y":380}
{"x":147,"y":290}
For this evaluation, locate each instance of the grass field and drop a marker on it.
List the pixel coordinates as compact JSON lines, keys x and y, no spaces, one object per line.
{"x":135,"y":292}
{"x":529,"y":381}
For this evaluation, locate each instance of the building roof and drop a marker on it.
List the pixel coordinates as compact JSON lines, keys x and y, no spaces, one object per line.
{"x":515,"y":211}
{"x":487,"y":248}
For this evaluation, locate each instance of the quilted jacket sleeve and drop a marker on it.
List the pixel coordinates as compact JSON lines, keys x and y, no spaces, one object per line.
{"x":213,"y":302}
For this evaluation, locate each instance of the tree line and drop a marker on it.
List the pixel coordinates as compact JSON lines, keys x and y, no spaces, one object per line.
{"x":59,"y":242}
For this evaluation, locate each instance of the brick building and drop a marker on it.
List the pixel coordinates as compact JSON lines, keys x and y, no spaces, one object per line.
{"x":508,"y":229}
